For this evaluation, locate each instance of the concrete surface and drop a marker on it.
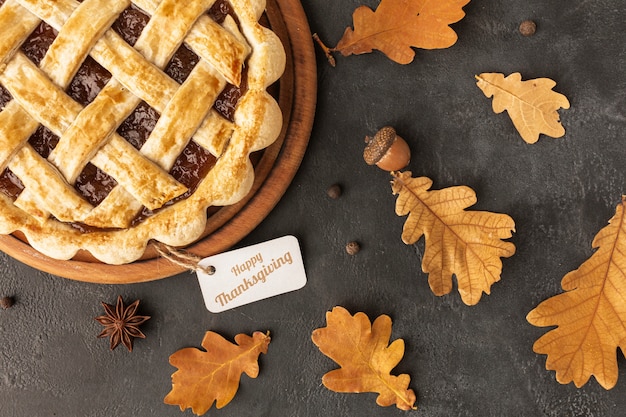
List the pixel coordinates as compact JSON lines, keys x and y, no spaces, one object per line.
{"x":463,"y":361}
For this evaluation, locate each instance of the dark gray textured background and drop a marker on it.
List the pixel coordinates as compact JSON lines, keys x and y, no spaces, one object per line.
{"x":463,"y":361}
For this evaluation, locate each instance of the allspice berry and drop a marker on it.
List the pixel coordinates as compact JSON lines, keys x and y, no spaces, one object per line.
{"x":7,"y":302}
{"x":527,"y":28}
{"x":334,"y":191}
{"x":352,"y":248}
{"x":387,"y":150}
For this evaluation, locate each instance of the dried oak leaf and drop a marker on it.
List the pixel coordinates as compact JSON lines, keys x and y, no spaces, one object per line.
{"x":366,"y":358}
{"x":590,"y":315}
{"x":213,"y":376}
{"x":398,"y":25}
{"x":531,"y":104}
{"x":465,"y":243}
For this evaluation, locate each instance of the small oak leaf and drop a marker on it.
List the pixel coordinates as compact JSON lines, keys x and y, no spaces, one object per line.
{"x":366,"y":358}
{"x":398,"y":25}
{"x":590,"y":315}
{"x":467,"y":244}
{"x":205,"y":377}
{"x":531,"y":104}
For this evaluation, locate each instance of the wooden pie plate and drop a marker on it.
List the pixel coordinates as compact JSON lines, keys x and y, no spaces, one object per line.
{"x":275,"y":168}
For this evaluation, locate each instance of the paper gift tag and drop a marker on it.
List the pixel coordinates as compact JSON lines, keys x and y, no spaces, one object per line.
{"x":253,"y":273}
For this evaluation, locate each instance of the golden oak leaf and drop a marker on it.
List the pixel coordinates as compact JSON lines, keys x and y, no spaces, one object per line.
{"x":464,"y":243}
{"x":398,"y":25}
{"x":591,"y":315}
{"x":366,"y":358}
{"x":531,"y":104}
{"x":205,"y":377}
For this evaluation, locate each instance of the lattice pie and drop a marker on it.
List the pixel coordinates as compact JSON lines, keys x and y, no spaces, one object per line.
{"x":123,"y":121}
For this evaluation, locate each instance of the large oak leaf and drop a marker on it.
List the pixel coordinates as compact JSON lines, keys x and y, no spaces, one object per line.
{"x":467,"y":244}
{"x":590,"y":315}
{"x":203,"y":377}
{"x":531,"y":104}
{"x":366,"y":358}
{"x":398,"y":25}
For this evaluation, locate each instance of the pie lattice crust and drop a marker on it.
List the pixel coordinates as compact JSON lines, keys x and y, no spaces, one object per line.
{"x":146,"y":201}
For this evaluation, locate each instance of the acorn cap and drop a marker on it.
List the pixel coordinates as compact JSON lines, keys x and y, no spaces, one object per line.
{"x":378,"y":146}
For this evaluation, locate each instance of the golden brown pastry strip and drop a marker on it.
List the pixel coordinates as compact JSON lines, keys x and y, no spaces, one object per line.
{"x":54,"y":109}
{"x":223,"y":50}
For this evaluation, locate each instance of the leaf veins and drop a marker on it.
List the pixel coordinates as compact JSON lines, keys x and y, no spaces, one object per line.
{"x":531,"y":104}
{"x":398,"y":25}
{"x":467,"y":244}
{"x":590,"y":315}
{"x":203,"y":377}
{"x":366,"y":358}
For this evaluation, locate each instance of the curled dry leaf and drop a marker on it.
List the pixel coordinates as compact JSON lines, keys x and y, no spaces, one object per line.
{"x":398,"y":25}
{"x":532,"y":105}
{"x":366,"y":358}
{"x":467,"y":244}
{"x":590,"y":315}
{"x":203,"y":377}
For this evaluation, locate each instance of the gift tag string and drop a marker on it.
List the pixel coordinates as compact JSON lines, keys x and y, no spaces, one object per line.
{"x":182,"y":258}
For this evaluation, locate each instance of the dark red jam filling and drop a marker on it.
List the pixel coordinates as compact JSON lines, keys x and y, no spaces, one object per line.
{"x":181,"y":64}
{"x":193,"y":164}
{"x":137,"y":127}
{"x":43,"y":141}
{"x":130,"y":23}
{"x":227,"y":100}
{"x":10,"y":184}
{"x":220,"y":10}
{"x":5,"y":97}
{"x":90,"y":78}
{"x":38,"y":42}
{"x":93,"y":184}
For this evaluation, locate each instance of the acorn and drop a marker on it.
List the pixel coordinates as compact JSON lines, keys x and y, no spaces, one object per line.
{"x":387,"y":150}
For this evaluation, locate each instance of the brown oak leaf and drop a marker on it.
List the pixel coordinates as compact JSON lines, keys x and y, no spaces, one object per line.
{"x":467,"y":244}
{"x":205,"y":377}
{"x":590,"y":315}
{"x":531,"y":104}
{"x":366,"y":358}
{"x":398,"y":25}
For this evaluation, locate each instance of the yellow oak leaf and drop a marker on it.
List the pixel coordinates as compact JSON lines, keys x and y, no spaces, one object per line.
{"x":398,"y":25}
{"x":532,"y":104}
{"x":590,"y":315}
{"x":366,"y":358}
{"x":205,"y":377}
{"x":467,"y":244}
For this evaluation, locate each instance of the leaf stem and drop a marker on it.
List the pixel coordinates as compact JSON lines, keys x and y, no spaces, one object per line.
{"x":327,"y":51}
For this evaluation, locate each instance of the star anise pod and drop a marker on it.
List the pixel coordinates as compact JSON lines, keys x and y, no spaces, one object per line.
{"x":121,"y":323}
